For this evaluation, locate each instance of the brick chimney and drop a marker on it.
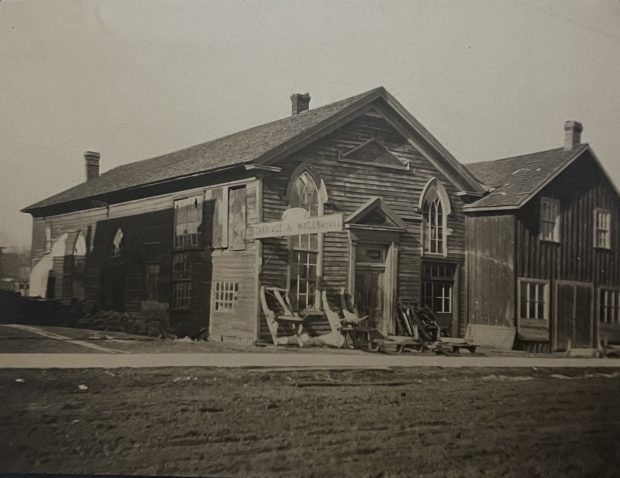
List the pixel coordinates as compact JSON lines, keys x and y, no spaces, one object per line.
{"x":91,"y":159}
{"x":572,"y":135}
{"x":300,"y":102}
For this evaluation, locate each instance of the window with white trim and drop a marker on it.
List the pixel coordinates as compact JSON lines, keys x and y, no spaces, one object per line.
{"x":609,"y":306}
{"x":304,"y":249}
{"x":533,"y":299}
{"x":187,"y":221}
{"x":602,"y":228}
{"x":437,"y":285}
{"x":550,"y":220}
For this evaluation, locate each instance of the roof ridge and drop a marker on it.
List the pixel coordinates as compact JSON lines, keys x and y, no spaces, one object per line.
{"x":246,"y":130}
{"x":515,"y":157}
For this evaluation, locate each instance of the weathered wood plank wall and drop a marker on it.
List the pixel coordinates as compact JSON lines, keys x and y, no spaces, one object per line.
{"x":348,"y":186}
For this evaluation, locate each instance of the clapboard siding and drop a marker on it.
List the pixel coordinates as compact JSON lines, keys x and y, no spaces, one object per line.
{"x":349,"y":185}
{"x":239,"y":268}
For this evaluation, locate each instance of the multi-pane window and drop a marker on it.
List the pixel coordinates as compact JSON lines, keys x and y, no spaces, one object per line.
{"x":152,"y":282}
{"x":434,"y":220}
{"x":550,"y":220}
{"x":181,"y":281}
{"x":609,"y":306}
{"x":187,"y":221}
{"x":533,"y":299}
{"x":226,"y":294}
{"x":118,"y":243}
{"x":303,"y":271}
{"x":602,"y":228}
{"x":437,"y":285}
{"x":304,"y":249}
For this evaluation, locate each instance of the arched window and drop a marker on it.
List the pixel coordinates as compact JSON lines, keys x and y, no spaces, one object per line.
{"x":79,"y":267}
{"x":435,"y":207}
{"x":118,"y":243}
{"x":304,"y":193}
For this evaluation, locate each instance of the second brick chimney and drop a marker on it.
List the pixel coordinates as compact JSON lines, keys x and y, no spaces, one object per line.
{"x":300,"y":102}
{"x":572,"y":134}
{"x":91,"y":160}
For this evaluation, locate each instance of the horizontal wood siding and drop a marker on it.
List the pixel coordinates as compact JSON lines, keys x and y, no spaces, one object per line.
{"x":238,"y":267}
{"x":490,"y":270}
{"x":348,"y":186}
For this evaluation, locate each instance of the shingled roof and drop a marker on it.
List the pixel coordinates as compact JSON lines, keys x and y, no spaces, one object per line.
{"x":259,"y":145}
{"x":242,"y":147}
{"x":514,"y":180}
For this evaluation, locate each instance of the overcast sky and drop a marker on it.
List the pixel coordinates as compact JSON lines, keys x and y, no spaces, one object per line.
{"x":135,"y":79}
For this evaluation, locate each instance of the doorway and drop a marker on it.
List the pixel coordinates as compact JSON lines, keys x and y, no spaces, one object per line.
{"x":370,"y":283}
{"x":573,"y":315}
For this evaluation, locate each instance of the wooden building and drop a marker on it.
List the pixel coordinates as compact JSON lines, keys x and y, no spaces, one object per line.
{"x":355,"y":195}
{"x":543,"y":248}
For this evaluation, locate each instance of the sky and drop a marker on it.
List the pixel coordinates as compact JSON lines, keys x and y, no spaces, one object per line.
{"x":136,"y":79}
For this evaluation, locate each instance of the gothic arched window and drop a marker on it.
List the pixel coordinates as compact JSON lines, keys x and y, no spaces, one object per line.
{"x":304,"y":249}
{"x":435,"y":209}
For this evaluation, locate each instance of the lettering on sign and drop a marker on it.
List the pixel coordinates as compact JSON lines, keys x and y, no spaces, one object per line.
{"x":311,"y":225}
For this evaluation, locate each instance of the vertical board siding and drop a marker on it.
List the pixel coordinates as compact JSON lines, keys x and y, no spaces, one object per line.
{"x":348,"y":186}
{"x":580,"y":189}
{"x":490,"y":270}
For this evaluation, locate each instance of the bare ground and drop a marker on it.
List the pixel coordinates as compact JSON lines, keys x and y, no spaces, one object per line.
{"x":239,"y":422}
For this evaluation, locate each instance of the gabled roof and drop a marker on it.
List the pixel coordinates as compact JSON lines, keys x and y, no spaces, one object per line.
{"x":514,"y":181}
{"x":261,"y":145}
{"x":375,"y":213}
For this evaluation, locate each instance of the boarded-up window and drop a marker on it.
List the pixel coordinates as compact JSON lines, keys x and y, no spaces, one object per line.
{"x":220,"y":217}
{"x":533,"y":299}
{"x":609,"y":306}
{"x":550,"y":220}
{"x":236,"y":218}
{"x":187,"y":222}
{"x":48,"y":237}
{"x":602,"y":228}
{"x":152,"y":282}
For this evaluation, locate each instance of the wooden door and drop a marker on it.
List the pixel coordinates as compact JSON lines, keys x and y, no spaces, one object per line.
{"x":564,"y":315}
{"x":573,"y":315}
{"x":369,"y":294}
{"x":583,"y":316}
{"x":370,"y":283}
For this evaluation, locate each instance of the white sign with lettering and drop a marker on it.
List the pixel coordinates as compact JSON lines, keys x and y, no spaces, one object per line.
{"x":293,"y":227}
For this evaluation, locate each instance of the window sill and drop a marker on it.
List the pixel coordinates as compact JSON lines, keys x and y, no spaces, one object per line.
{"x":435,"y":255}
{"x":534,"y":323}
{"x":549,"y":241}
{"x":602,"y":248}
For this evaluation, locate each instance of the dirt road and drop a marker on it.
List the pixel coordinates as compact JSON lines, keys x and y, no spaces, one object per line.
{"x":234,"y":422}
